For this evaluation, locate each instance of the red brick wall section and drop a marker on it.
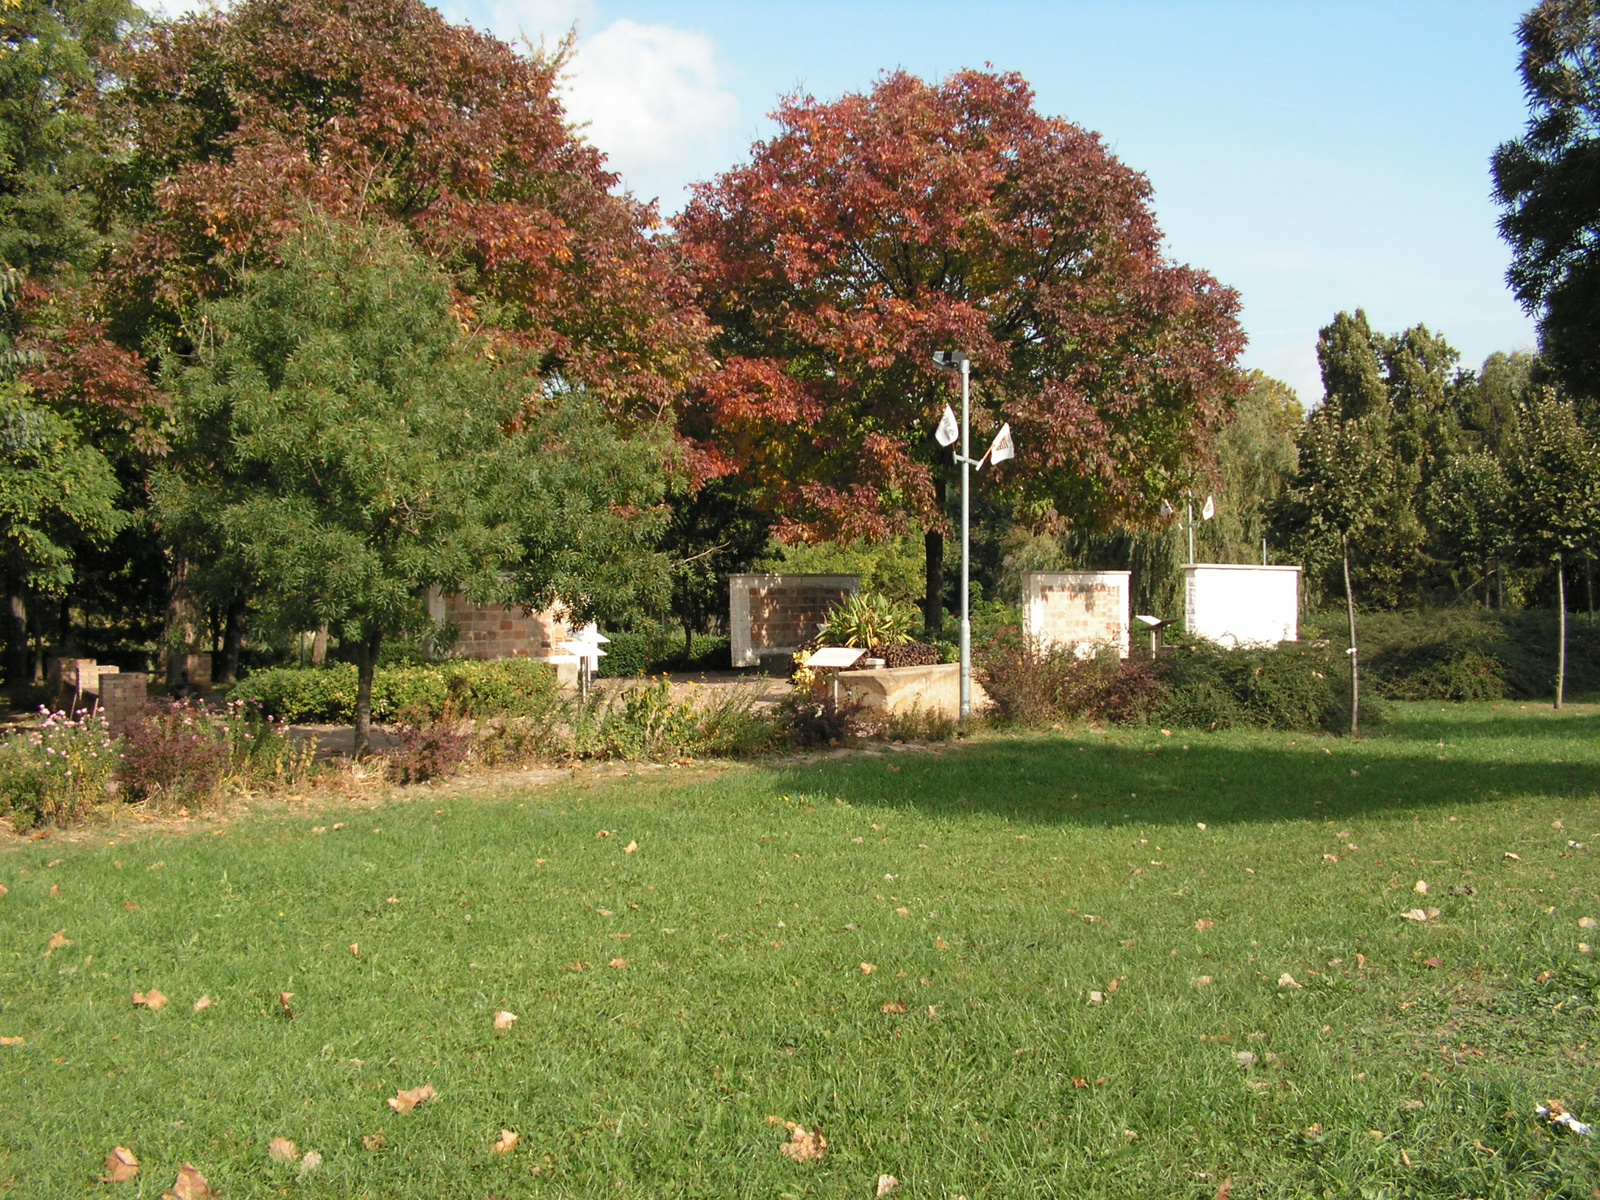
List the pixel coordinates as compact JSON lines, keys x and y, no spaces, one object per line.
{"x":783,"y":618}
{"x":120,"y":697}
{"x":490,"y":631}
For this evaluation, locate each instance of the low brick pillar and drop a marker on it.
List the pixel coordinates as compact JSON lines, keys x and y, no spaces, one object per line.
{"x":197,"y":670}
{"x":121,"y":696}
{"x":1082,"y":610}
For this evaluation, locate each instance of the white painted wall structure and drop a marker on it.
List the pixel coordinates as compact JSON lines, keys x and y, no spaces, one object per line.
{"x":1081,"y":609}
{"x":1237,"y":604}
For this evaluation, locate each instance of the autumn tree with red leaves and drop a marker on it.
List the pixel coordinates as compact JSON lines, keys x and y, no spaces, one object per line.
{"x":873,"y":230}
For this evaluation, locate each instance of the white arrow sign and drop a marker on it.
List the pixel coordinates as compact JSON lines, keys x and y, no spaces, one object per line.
{"x":948,"y":430}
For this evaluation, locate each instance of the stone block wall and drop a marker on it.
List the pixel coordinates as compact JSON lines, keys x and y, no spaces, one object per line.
{"x":1081,"y":609}
{"x":772,"y":615}
{"x":121,"y":696}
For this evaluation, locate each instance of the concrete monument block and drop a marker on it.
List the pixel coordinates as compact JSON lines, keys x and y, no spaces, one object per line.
{"x":1084,"y":610}
{"x":773,"y":615}
{"x":1238,"y":604}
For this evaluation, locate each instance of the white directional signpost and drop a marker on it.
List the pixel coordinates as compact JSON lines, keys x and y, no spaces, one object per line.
{"x":834,"y":659}
{"x":586,"y":643}
{"x":999,"y":450}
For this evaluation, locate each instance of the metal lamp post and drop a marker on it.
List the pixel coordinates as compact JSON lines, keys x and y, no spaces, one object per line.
{"x":999,"y":450}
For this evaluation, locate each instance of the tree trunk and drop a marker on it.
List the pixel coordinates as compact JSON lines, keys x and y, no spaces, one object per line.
{"x":232,"y":642}
{"x":933,"y":595}
{"x":366,"y":668}
{"x":1561,"y":628}
{"x":1355,"y":654}
{"x":688,"y":641}
{"x":181,"y":634}
{"x":1499,"y":586}
{"x":16,"y":634}
{"x":319,"y":646}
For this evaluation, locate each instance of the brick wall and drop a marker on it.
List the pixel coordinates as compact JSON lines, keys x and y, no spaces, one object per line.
{"x":771,"y":615}
{"x":490,"y":631}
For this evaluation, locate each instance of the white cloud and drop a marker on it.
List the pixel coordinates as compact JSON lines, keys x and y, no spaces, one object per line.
{"x":651,"y":96}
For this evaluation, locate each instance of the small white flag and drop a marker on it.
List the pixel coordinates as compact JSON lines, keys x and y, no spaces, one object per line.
{"x":1209,"y":511}
{"x":1166,"y":508}
{"x":1002,"y":448}
{"x":948,"y":430}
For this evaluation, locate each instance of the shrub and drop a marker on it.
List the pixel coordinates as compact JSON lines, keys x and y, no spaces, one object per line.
{"x":803,"y":720}
{"x":657,"y":649}
{"x":435,"y":751}
{"x":172,"y":750}
{"x":417,"y":694}
{"x":1296,"y":686}
{"x":908,"y":654}
{"x":1033,"y":685}
{"x":866,"y":619}
{"x":54,"y":772}
{"x":645,"y":722}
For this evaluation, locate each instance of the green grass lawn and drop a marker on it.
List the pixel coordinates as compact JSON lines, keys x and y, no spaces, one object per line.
{"x":993,"y":886}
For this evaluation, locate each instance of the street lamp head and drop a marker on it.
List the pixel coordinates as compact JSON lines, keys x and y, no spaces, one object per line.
{"x":948,"y":360}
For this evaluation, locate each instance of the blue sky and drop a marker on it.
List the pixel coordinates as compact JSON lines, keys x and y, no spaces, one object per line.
{"x":1316,"y":156}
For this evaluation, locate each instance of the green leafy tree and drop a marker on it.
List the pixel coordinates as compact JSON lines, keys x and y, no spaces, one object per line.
{"x":1335,"y":496}
{"x":1467,"y":508}
{"x":1555,"y":498}
{"x":1256,"y":456}
{"x":1548,"y":184}
{"x":712,"y":534}
{"x":55,"y":492}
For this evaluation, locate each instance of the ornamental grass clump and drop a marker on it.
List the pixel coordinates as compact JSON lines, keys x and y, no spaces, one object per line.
{"x":54,"y":772}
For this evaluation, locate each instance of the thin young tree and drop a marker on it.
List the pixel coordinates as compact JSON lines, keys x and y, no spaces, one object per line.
{"x":1334,"y":496}
{"x":1555,"y":499}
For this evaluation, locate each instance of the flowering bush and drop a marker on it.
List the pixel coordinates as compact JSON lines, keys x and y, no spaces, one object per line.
{"x":183,"y":749}
{"x":50,"y":773}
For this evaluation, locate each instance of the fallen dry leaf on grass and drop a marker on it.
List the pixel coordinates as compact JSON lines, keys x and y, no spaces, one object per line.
{"x":373,"y":1141}
{"x":191,"y":1185}
{"x":282,"y":1150}
{"x":886,"y":1184}
{"x":1405,"y":1159}
{"x":55,"y":889}
{"x":1434,"y":963}
{"x":4,"y":890}
{"x":1205,"y":923}
{"x":867,"y":968}
{"x":309,"y":1163}
{"x":1513,"y":857}
{"x":1588,"y":923}
{"x":602,"y":833}
{"x":506,"y":1144}
{"x":1097,"y":997}
{"x":355,"y":949}
{"x":1201,"y":981}
{"x":940,"y":944}
{"x":804,"y":1145}
{"x":504,"y":1020}
{"x":153,"y":1000}
{"x":894,"y":1008}
{"x":1286,"y":980}
{"x":1419,"y":914}
{"x":405,"y":1101}
{"x":121,"y":1165}
{"x":283,"y":1002}
{"x":631,"y":848}
{"x":13,"y":1041}
{"x":620,"y":964}
{"x":1361,"y":962}
{"x":58,"y":939}
{"x":1225,"y":1189}
{"x":203,"y":1003}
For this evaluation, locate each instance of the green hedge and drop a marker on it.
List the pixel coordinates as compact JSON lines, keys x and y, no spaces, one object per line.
{"x":651,"y":651}
{"x":513,"y":687}
{"x":1294,"y":686}
{"x":1467,"y":653}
